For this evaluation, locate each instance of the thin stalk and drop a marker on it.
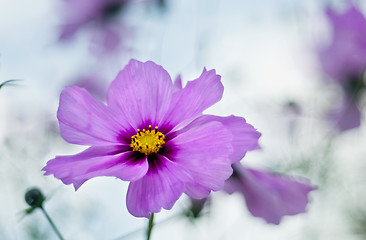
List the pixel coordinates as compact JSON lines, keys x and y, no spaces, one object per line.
{"x":156,"y":224}
{"x":150,"y":226}
{"x":52,"y":224}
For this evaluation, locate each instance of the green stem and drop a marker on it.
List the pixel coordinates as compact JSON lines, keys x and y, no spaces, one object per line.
{"x":52,"y":224}
{"x":150,"y":226}
{"x":141,"y":229}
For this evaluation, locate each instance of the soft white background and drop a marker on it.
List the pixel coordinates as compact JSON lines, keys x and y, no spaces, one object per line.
{"x":264,"y":51}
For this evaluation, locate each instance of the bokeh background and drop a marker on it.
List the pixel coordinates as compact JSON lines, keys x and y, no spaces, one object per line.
{"x":267,"y":54}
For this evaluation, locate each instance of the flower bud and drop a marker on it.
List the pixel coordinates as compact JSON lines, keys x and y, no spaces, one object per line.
{"x":34,"y":197}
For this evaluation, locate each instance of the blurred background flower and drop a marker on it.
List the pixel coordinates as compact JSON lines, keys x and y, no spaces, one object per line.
{"x":269,"y":195}
{"x":102,"y":19}
{"x":344,"y":61}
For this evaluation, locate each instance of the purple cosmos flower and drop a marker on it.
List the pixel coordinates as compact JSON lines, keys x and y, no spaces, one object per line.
{"x":152,"y":133}
{"x":344,"y":61}
{"x":269,"y":196}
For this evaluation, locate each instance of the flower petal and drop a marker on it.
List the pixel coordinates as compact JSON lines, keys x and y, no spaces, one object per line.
{"x":97,"y":161}
{"x":351,"y":19}
{"x":178,"y":83}
{"x":159,"y":188}
{"x":194,"y":98}
{"x":268,"y":195}
{"x":83,"y":120}
{"x":141,"y":93}
{"x":244,"y":136}
{"x":204,"y":151}
{"x":68,"y":31}
{"x":346,"y":54}
{"x":348,"y":116}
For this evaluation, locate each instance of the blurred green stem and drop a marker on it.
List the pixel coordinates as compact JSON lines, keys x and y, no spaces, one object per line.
{"x":150,"y":226}
{"x":52,"y":224}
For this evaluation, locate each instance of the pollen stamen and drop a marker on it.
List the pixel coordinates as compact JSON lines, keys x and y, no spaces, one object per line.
{"x":147,"y":141}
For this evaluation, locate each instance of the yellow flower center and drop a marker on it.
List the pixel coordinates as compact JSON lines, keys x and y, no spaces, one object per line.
{"x":147,"y":142}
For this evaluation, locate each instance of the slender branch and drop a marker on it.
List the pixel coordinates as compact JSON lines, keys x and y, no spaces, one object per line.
{"x":52,"y":224}
{"x":150,"y":226}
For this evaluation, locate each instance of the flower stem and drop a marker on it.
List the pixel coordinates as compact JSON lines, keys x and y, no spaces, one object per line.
{"x":150,"y":226}
{"x":52,"y":224}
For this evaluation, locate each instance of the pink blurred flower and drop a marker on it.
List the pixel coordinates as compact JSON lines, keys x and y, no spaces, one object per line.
{"x":102,"y":17}
{"x":346,"y":55}
{"x":153,"y":134}
{"x":79,"y":13}
{"x":344,"y":61}
{"x":268,"y":195}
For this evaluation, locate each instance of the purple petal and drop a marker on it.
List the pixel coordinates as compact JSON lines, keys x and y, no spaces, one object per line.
{"x":197,"y":206}
{"x":82,"y":12}
{"x":85,"y":121}
{"x":107,"y":40}
{"x":346,"y":54}
{"x":97,"y":161}
{"x":269,"y":196}
{"x":194,"y":98}
{"x":159,"y":188}
{"x":348,"y":116}
{"x":244,"y":136}
{"x":68,"y":31}
{"x":342,"y":59}
{"x":349,"y":20}
{"x":178,"y":84}
{"x":204,"y":151}
{"x":141,"y":93}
